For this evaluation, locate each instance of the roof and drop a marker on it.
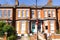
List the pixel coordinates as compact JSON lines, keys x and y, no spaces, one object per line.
{"x":30,"y":6}
{"x":6,"y":5}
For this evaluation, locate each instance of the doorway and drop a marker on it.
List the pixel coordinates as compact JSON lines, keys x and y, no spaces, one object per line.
{"x":35,"y":28}
{"x":40,"y":28}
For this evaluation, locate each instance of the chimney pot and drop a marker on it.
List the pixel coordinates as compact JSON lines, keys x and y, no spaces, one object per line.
{"x":16,"y":2}
{"x":49,"y":2}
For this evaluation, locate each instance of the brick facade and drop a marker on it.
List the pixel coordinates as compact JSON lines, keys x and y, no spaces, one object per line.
{"x":28,"y":18}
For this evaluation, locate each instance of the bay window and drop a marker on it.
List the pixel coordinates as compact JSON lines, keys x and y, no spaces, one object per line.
{"x":21,"y":26}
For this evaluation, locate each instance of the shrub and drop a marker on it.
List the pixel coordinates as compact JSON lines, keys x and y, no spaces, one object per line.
{"x":5,"y":28}
{"x":11,"y":37}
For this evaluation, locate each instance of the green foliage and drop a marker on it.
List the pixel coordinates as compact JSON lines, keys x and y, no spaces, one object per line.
{"x":7,"y":28}
{"x":2,"y":25}
{"x":1,"y":28}
{"x":1,"y":33}
{"x":12,"y":37}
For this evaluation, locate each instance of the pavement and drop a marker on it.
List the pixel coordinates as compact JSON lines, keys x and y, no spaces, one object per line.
{"x":32,"y":37}
{"x":25,"y":38}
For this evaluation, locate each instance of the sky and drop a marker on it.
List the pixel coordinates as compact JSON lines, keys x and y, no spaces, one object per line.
{"x":29,"y":2}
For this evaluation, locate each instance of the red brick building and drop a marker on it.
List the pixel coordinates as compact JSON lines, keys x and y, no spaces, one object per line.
{"x":23,"y":18}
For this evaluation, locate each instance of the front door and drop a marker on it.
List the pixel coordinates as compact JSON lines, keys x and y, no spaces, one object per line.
{"x":33,"y":27}
{"x":39,"y":27}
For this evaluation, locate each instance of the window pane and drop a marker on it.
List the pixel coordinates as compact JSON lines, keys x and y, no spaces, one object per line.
{"x":23,"y":13}
{"x":19,"y":13}
{"x":5,"y":13}
{"x":52,"y":26}
{"x":49,"y":13}
{"x":0,"y":13}
{"x":9,"y":11}
{"x":46,"y":27}
{"x":23,"y":25}
{"x":27,"y":13}
{"x":38,"y":13}
{"x":53,"y":13}
{"x":32,"y":14}
{"x":45,"y":13}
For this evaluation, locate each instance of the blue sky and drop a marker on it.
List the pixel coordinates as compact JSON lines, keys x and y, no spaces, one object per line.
{"x":29,"y":2}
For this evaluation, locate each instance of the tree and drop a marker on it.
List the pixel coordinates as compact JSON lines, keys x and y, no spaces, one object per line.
{"x":1,"y":28}
{"x":5,"y":28}
{"x":12,"y":37}
{"x":9,"y":29}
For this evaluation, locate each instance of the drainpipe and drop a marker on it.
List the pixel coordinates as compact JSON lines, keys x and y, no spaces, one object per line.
{"x":57,"y":25}
{"x":37,"y":20}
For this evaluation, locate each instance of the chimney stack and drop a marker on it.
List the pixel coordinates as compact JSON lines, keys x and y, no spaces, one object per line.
{"x":16,"y":2}
{"x":49,"y":2}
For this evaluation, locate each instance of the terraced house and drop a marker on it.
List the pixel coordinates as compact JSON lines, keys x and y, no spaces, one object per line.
{"x":29,"y":19}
